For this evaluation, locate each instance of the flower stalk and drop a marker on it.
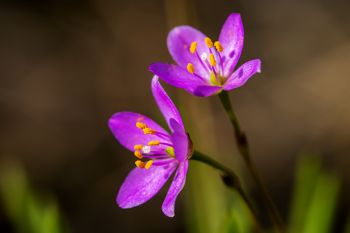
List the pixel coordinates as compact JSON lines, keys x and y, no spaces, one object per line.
{"x":243,"y":147}
{"x":232,"y":181}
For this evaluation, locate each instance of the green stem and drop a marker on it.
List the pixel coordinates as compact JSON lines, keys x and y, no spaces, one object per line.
{"x":243,"y":148}
{"x":232,"y":181}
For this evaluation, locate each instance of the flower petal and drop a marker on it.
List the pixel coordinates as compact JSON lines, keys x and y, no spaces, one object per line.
{"x":165,"y":104}
{"x":176,"y":126}
{"x":123,"y":127}
{"x":142,"y":184}
{"x":177,"y":76}
{"x":204,"y":91}
{"x":181,"y":143}
{"x":179,"y":41}
{"x":242,"y":74}
{"x":177,"y":185}
{"x":232,"y":37}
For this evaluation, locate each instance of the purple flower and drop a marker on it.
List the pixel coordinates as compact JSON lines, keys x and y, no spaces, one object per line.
{"x":205,"y":68}
{"x":159,"y":153}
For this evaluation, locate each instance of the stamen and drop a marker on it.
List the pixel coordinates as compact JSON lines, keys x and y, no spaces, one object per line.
{"x":146,"y":149}
{"x":193,"y":47}
{"x":170,"y":151}
{"x":141,"y":125}
{"x":148,"y":164}
{"x":218,"y":46}
{"x":154,"y":143}
{"x":148,"y":131}
{"x":138,"y":147}
{"x":212,"y":60}
{"x":190,"y":68}
{"x":138,"y":154}
{"x":139,"y":164}
{"x":209,"y":42}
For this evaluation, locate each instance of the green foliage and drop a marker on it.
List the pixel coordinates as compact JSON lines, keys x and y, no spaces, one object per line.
{"x":313,"y":206}
{"x":315,"y":198}
{"x":211,"y":207}
{"x":239,"y":218}
{"x":206,"y":200}
{"x":28,"y":212}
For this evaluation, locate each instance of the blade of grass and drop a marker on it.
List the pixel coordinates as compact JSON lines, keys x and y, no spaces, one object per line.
{"x":315,"y":197}
{"x":206,"y":200}
{"x":13,"y":192}
{"x":307,"y":172}
{"x":319,"y":218}
{"x":27,"y":210}
{"x":51,"y":219}
{"x":238,"y":219}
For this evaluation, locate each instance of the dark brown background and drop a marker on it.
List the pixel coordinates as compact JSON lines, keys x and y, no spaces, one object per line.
{"x":67,"y":66}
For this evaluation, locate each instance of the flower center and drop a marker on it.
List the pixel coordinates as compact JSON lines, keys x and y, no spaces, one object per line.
{"x":152,"y":154}
{"x":212,"y":63}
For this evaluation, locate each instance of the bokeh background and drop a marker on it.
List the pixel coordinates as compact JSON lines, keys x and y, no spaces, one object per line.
{"x":67,"y":66}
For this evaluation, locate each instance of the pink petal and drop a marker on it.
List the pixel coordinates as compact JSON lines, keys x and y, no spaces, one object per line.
{"x":123,"y":127}
{"x":181,"y":143}
{"x":179,"y":41}
{"x":242,"y":74}
{"x":205,"y":91}
{"x":231,"y":37}
{"x":177,"y":76}
{"x":142,"y":184}
{"x":177,"y":185}
{"x":166,"y":105}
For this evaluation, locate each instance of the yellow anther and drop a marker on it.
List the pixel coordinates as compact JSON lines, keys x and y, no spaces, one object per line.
{"x":218,"y":46}
{"x":170,"y":151}
{"x":209,"y":42}
{"x":213,"y":79}
{"x":190,"y":68}
{"x":138,"y":154}
{"x":148,"y":131}
{"x":139,"y":164}
{"x":212,"y":60}
{"x":154,"y":143}
{"x":193,"y":47}
{"x":141,"y":125}
{"x":148,"y":164}
{"x":138,"y":147}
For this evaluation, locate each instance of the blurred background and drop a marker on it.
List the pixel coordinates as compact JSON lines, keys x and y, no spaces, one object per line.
{"x":67,"y":66}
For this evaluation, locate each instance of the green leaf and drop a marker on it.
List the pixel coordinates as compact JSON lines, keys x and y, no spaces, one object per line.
{"x":51,"y":219}
{"x":207,"y":204}
{"x":239,"y":218}
{"x":28,"y":211}
{"x":320,"y":216}
{"x":307,"y":172}
{"x":315,"y":197}
{"x":14,"y":191}
{"x":33,"y":214}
